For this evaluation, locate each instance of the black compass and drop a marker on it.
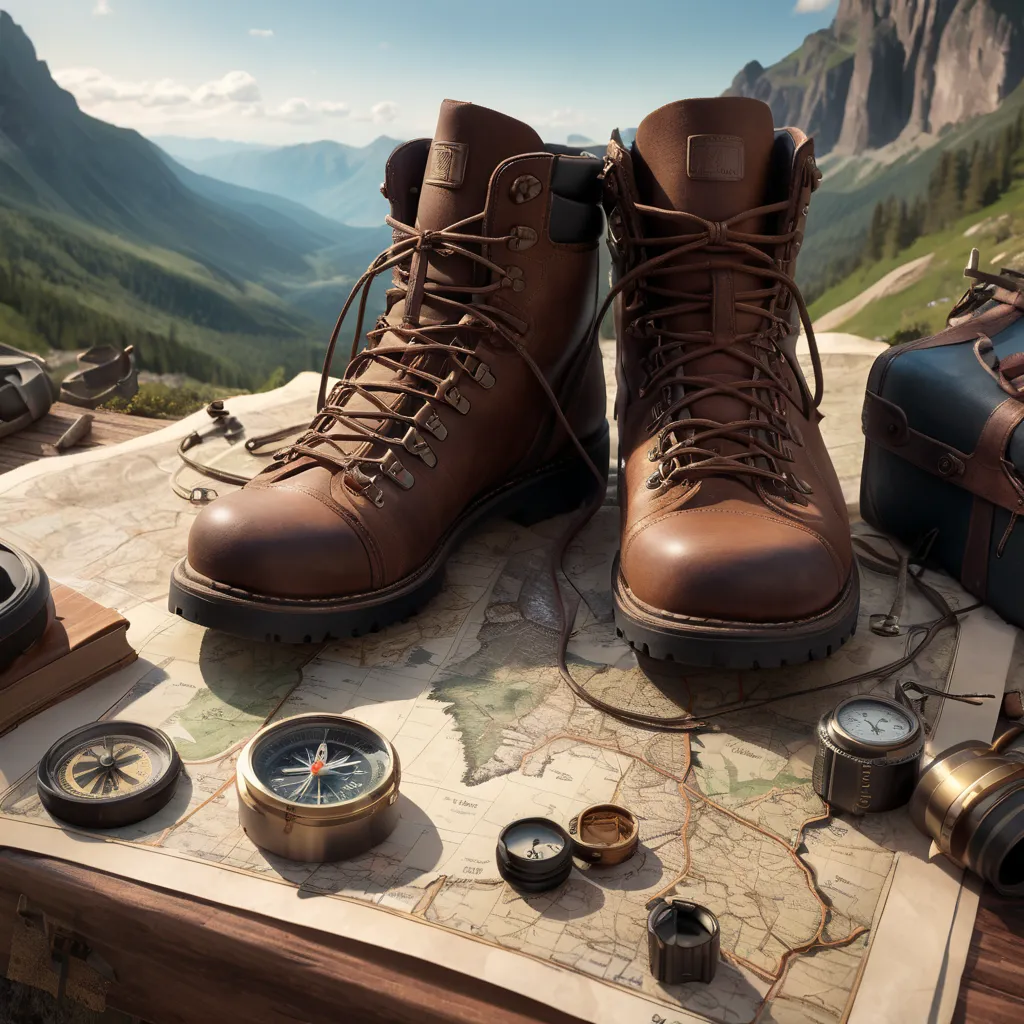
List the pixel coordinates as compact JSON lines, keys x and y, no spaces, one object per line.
{"x":534,"y":854}
{"x":108,"y":774}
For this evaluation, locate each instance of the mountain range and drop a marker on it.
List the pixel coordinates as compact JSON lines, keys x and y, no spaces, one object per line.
{"x":894,"y":69}
{"x":335,"y":180}
{"x":886,"y":89}
{"x":104,"y":237}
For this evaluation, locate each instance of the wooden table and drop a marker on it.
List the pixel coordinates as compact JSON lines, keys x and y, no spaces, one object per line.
{"x":226,"y":964}
{"x":36,"y":440}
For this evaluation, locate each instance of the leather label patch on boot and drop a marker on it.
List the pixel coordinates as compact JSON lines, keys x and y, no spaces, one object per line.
{"x":447,"y":164}
{"x":714,"y":157}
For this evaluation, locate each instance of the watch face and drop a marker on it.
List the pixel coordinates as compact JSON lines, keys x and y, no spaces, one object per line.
{"x":533,"y":841}
{"x":875,"y":722}
{"x":320,"y":764}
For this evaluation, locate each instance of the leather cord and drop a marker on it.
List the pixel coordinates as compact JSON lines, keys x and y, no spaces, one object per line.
{"x":870,"y":558}
{"x":694,"y":456}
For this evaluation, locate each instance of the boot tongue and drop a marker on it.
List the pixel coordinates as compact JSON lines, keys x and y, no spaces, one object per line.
{"x":712,"y":158}
{"x":469,"y":142}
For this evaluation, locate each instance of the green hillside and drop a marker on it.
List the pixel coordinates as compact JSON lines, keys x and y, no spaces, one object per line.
{"x":997,"y":231}
{"x":103,"y":238}
{"x":841,"y":210}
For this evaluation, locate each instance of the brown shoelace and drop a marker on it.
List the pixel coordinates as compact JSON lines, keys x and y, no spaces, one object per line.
{"x":685,"y":445}
{"x":336,"y":423}
{"x":921,"y":637}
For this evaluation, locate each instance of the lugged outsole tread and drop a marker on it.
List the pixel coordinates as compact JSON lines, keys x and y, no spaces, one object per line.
{"x":732,"y":663}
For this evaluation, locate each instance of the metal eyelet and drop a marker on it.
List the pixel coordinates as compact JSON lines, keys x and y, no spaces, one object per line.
{"x":364,"y":484}
{"x":448,"y":391}
{"x":655,"y":480}
{"x":522,"y":237}
{"x":525,"y":188}
{"x":479,"y":371}
{"x":654,"y":455}
{"x":416,"y":445}
{"x":513,"y":279}
{"x":792,"y":489}
{"x":428,"y":420}
{"x":397,"y":472}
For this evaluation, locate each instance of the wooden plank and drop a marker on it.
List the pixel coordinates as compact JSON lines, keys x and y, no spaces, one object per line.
{"x":36,"y":440}
{"x":992,"y":986}
{"x":184,"y":961}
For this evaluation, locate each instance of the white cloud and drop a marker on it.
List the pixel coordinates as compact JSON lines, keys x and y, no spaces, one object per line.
{"x":233,"y":95}
{"x":299,"y":110}
{"x":384,"y":111}
{"x":811,"y":6}
{"x":263,"y":33}
{"x":234,"y":87}
{"x":102,"y":8}
{"x":102,"y":94}
{"x":331,"y":109}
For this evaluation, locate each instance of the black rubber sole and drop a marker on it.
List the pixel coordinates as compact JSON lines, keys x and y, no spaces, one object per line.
{"x":554,"y":489}
{"x":708,"y":643}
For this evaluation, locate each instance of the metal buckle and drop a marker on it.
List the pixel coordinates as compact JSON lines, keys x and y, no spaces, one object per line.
{"x":397,"y":472}
{"x":448,"y":390}
{"x":416,"y":445}
{"x":886,"y":625}
{"x":364,"y":484}
{"x":479,"y":371}
{"x":428,"y":420}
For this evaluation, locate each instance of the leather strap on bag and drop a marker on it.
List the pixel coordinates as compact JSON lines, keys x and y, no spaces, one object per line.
{"x":985,"y":472}
{"x":104,"y":372}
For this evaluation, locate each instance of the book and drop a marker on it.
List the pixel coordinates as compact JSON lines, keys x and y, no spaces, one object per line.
{"x":83,"y":643}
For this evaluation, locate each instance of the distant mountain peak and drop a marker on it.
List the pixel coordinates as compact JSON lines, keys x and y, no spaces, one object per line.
{"x":889,"y":69}
{"x":19,"y":64}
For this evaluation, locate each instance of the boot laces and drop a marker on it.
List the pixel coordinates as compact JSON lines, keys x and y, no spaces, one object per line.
{"x":686,"y":446}
{"x":425,"y":367}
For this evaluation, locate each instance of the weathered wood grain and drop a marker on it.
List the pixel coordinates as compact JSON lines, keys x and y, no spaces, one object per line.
{"x":36,"y":440}
{"x":185,"y":961}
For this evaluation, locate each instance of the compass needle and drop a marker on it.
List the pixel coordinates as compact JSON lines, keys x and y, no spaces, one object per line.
{"x":306,"y":784}
{"x":108,"y":774}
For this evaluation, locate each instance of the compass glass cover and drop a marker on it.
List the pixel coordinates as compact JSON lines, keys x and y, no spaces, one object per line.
{"x":111,"y":766}
{"x":533,"y":841}
{"x":320,"y":765}
{"x":875,"y":723}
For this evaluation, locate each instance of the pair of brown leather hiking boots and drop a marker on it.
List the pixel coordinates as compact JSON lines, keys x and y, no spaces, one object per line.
{"x":481,"y":392}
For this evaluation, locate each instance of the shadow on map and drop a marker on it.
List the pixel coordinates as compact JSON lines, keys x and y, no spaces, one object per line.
{"x":644,"y":870}
{"x":413,"y":850}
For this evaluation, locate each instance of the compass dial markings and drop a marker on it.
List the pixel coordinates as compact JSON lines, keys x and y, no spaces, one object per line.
{"x":344,"y":761}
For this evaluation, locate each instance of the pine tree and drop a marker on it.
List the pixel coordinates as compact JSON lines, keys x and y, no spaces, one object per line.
{"x":938,"y":185}
{"x":876,"y":235}
{"x":892,"y":228}
{"x":977,"y":179}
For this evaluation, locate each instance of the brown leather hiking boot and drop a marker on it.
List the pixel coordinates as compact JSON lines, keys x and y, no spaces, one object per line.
{"x":480,"y":393}
{"x":735,"y":538}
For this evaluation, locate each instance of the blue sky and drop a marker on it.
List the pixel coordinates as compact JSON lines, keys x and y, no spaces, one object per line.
{"x":282,"y":71}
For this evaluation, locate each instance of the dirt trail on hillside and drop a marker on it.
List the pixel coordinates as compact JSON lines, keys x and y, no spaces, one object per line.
{"x":893,"y":282}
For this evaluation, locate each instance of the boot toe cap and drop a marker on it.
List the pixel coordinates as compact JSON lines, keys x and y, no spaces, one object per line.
{"x":278,"y":542}
{"x":716,"y":564}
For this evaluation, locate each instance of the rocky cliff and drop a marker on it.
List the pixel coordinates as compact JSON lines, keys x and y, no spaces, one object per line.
{"x":887,"y":69}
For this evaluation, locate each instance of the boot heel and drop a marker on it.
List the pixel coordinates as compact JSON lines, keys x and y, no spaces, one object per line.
{"x":565,"y":488}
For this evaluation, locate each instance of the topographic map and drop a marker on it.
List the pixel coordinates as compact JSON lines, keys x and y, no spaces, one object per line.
{"x":487,"y":732}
